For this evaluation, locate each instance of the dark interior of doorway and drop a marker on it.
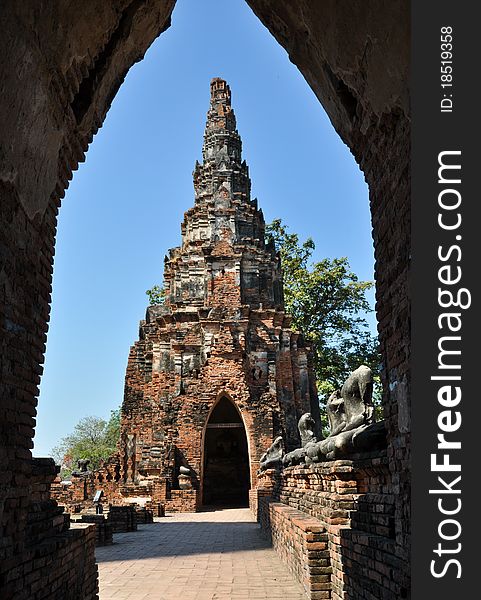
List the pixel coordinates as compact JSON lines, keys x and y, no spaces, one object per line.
{"x":226,"y":458}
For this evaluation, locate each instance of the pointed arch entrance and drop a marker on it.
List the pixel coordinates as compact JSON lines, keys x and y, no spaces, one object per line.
{"x":226,"y":472}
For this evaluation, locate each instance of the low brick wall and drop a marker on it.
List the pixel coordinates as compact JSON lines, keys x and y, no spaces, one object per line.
{"x":302,"y":544}
{"x":122,"y":518}
{"x":354,"y":501}
{"x":58,"y":558}
{"x":157,"y":509}
{"x":103,"y":528}
{"x":117,"y":519}
{"x":183,"y":501}
{"x":61,"y":567}
{"x":255,"y":495}
{"x":77,"y":495}
{"x":143,"y":515}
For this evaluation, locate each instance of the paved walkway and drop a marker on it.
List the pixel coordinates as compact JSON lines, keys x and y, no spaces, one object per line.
{"x":195,"y":556}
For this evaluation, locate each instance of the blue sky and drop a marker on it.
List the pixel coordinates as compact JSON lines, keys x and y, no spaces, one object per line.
{"x":125,"y":204}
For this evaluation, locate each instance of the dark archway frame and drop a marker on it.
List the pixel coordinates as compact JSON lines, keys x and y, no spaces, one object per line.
{"x":61,"y":66}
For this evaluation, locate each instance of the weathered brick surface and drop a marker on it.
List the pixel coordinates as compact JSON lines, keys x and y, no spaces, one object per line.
{"x":103,"y":527}
{"x":221,"y":333}
{"x":353,"y":502}
{"x":301,"y":542}
{"x":337,"y":47}
{"x":56,"y":90}
{"x":55,"y":95}
{"x":57,"y":561}
{"x":144,"y":515}
{"x":122,"y":518}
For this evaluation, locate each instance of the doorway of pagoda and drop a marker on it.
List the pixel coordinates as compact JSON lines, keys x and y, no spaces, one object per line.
{"x":226,"y":479}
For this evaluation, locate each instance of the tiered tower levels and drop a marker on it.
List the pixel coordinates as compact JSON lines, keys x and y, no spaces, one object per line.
{"x":223,"y":260}
{"x":220,"y":339}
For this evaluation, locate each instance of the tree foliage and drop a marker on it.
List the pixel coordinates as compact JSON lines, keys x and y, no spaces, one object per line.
{"x":156,"y":294}
{"x":93,"y":438}
{"x":328,"y":304}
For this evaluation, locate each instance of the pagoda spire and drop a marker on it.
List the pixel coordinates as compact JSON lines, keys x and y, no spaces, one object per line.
{"x":222,"y":172}
{"x":220,"y":117}
{"x":223,"y":259}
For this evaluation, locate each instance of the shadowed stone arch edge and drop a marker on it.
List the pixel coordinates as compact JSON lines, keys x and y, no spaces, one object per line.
{"x":60,"y":68}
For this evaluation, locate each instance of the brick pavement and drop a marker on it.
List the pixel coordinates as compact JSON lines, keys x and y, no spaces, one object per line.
{"x":195,"y":556}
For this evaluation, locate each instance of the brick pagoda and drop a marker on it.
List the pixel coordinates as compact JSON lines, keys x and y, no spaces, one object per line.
{"x":216,"y":374}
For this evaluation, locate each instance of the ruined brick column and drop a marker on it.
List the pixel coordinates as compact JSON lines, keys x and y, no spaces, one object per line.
{"x":216,"y":374}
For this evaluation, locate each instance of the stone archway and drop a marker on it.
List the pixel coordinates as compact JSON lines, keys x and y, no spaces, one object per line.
{"x":61,"y":65}
{"x":226,"y":469}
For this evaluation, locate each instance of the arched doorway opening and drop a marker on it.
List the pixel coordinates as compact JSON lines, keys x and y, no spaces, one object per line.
{"x":226,"y":478}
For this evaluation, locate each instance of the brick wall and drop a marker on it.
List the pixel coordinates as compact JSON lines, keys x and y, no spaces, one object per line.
{"x":103,"y":528}
{"x":354,"y":503}
{"x":122,"y":518}
{"x":65,"y":85}
{"x":58,"y":559}
{"x":302,"y":544}
{"x":44,"y":136}
{"x":60,"y":568}
{"x":144,"y":515}
{"x":368,"y":105}
{"x":183,"y":501}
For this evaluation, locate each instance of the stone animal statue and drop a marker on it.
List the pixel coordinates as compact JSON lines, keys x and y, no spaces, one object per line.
{"x":351,"y":415}
{"x":357,"y":395}
{"x":336,"y":413}
{"x":296,"y":457}
{"x":272,"y":458}
{"x":307,"y":427}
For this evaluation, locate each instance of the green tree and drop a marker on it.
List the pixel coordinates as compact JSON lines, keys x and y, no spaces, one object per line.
{"x":112,"y":430}
{"x":93,"y":438}
{"x":328,"y":304}
{"x":156,"y":294}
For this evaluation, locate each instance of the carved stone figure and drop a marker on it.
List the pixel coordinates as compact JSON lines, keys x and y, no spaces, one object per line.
{"x":185,"y":478}
{"x":372,"y":437}
{"x":295,"y":457}
{"x":362,"y":439}
{"x":130,"y":456}
{"x":130,"y":446}
{"x":351,"y":414}
{"x":307,"y":427}
{"x":314,"y":453}
{"x":357,"y":395}
{"x":335,"y":413}
{"x":272,"y":458}
{"x":82,"y":465}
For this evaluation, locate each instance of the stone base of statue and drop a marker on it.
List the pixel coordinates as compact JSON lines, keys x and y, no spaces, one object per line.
{"x":185,"y":482}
